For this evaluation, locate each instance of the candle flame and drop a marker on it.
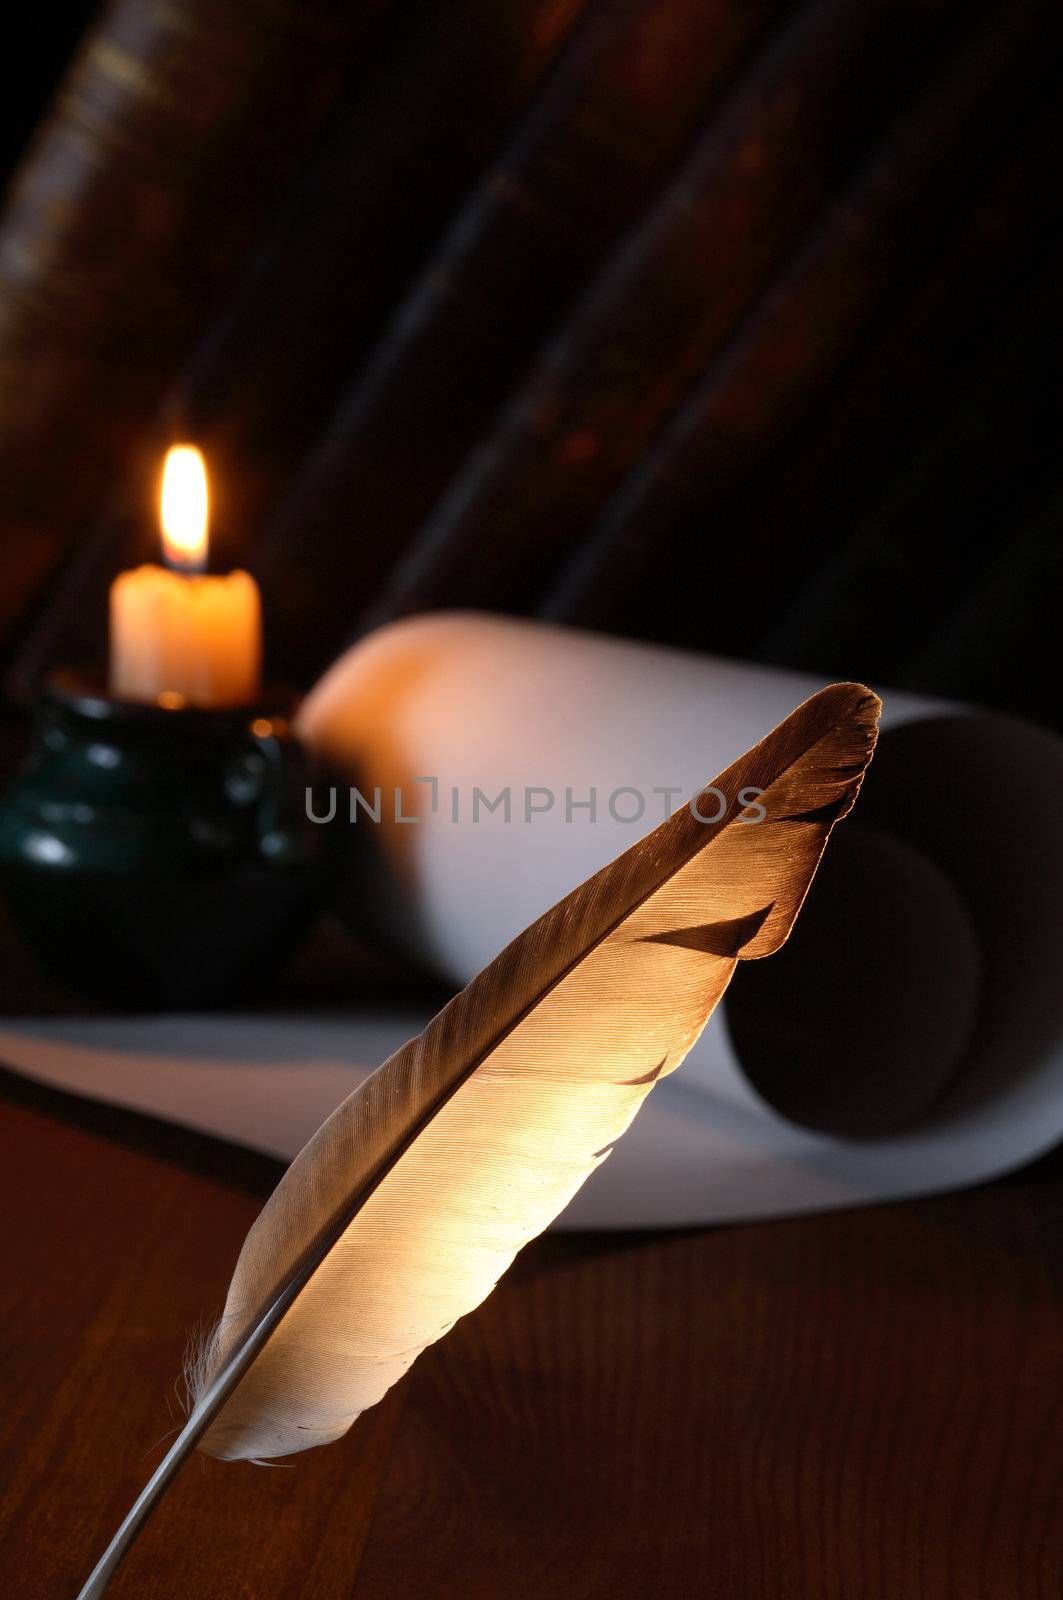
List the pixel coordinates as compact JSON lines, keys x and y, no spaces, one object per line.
{"x":184,"y":508}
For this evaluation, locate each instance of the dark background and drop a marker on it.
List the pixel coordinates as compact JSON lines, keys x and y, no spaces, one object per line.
{"x":729,"y":323}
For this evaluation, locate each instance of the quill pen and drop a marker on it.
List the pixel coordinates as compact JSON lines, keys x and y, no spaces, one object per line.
{"x":412,"y":1199}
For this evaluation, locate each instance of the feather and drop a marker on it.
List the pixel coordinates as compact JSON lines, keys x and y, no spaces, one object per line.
{"x":474,"y":1136}
{"x":408,"y":1204}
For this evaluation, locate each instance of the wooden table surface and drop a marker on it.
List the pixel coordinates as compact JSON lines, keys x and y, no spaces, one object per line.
{"x":858,"y":1405}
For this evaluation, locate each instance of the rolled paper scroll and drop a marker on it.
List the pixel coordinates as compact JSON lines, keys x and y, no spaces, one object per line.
{"x":528,"y":754}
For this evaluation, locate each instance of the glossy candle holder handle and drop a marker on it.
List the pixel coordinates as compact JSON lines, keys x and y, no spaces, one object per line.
{"x":267,"y":771}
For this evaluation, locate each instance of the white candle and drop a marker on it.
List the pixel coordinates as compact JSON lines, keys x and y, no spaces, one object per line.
{"x":179,"y":636}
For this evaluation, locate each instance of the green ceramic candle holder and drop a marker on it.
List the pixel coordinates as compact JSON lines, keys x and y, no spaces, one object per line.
{"x":161,"y":857}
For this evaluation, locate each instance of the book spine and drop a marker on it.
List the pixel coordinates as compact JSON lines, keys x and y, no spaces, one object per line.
{"x":365,"y":214}
{"x":605,"y":132}
{"x":874,"y":245}
{"x":792,"y":134}
{"x":819,"y":481}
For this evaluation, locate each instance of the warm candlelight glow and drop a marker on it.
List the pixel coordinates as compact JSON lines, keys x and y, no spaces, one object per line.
{"x":184,"y":508}
{"x":178,"y":636}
